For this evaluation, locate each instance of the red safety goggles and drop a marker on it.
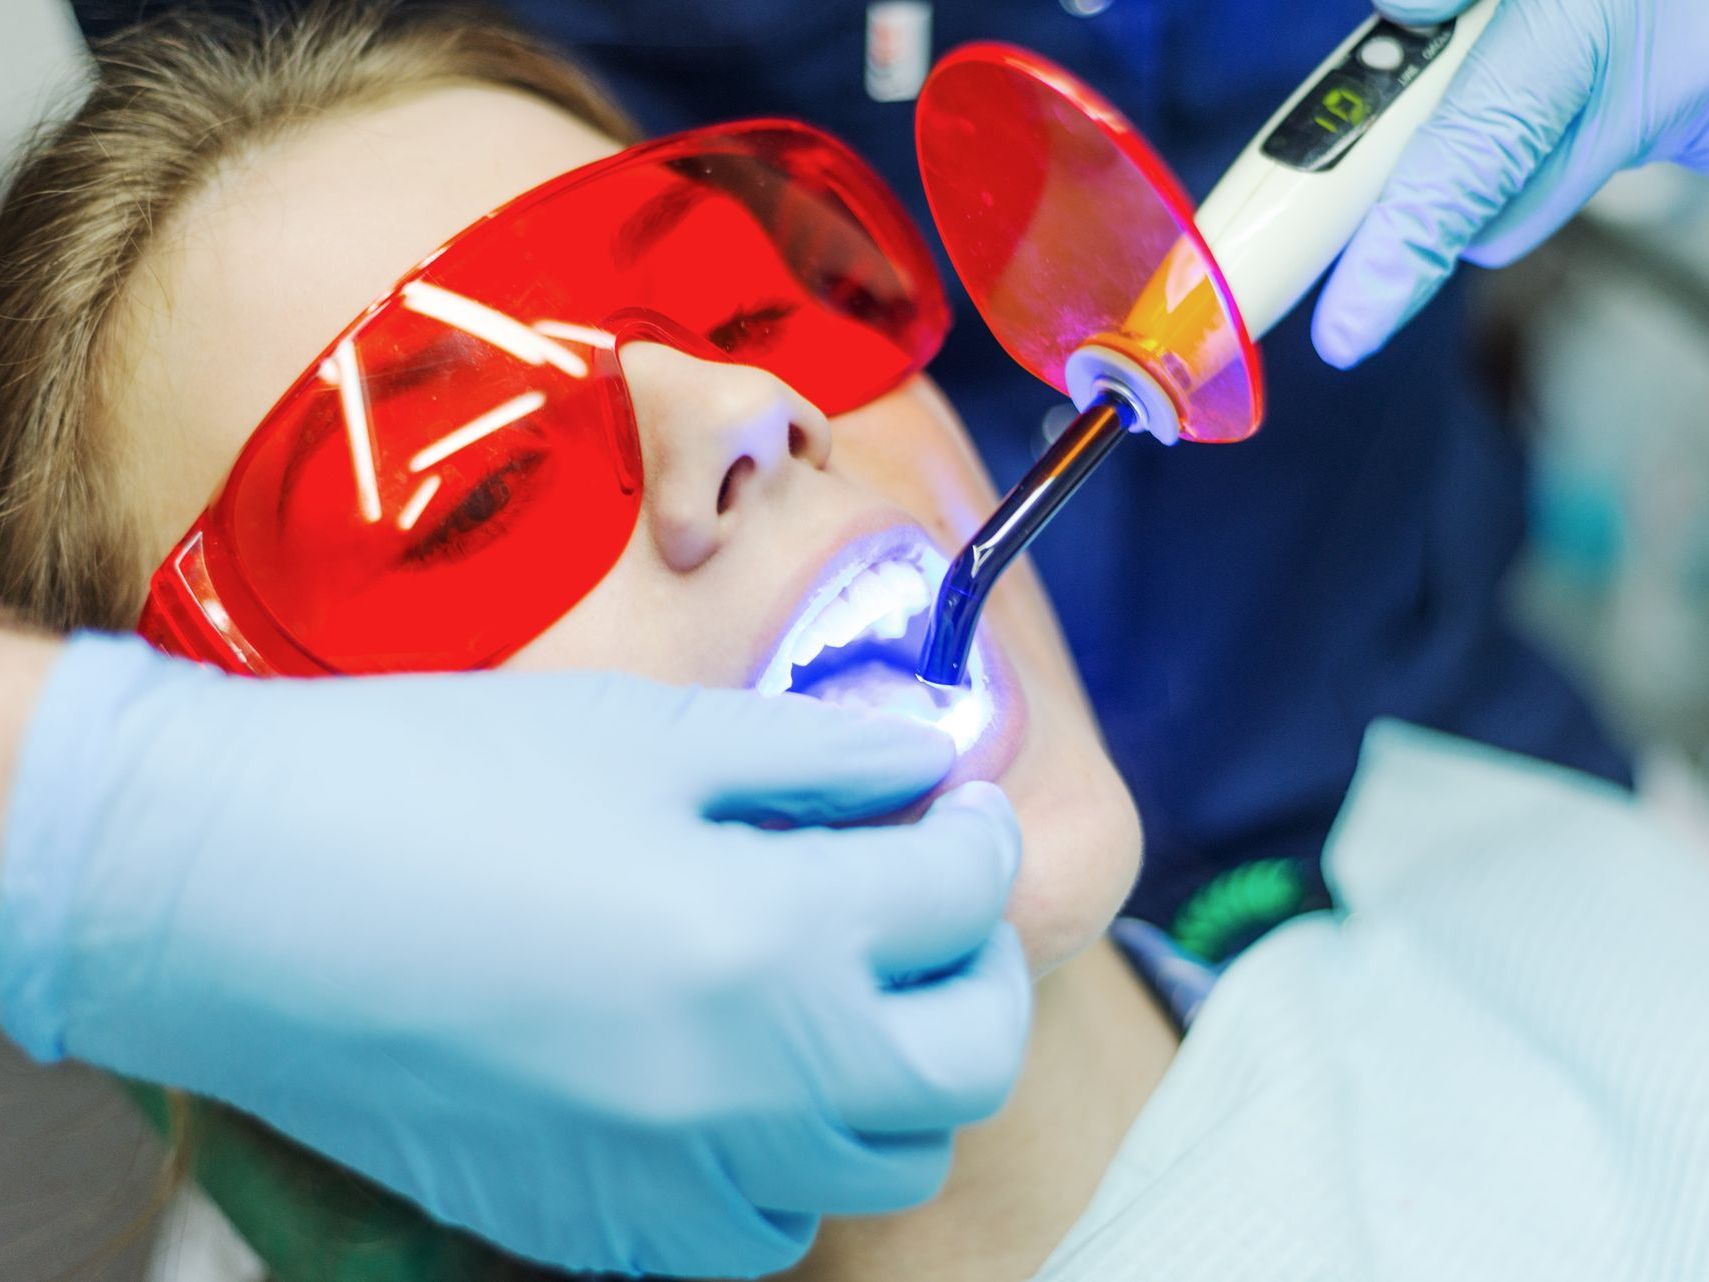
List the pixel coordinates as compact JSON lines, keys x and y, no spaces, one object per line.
{"x":462,"y":466}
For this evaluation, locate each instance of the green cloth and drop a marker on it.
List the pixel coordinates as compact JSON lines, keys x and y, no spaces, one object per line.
{"x":310,"y":1221}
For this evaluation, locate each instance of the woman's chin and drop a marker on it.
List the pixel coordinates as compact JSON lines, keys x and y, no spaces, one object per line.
{"x":1074,"y":878}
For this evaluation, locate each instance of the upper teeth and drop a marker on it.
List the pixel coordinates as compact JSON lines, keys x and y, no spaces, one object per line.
{"x":877,"y":600}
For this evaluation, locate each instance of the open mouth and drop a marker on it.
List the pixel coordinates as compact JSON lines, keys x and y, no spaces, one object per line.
{"x":857,"y":636}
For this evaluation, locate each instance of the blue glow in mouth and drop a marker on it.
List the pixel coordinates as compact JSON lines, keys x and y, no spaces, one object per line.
{"x":857,"y":642}
{"x":879,"y":682}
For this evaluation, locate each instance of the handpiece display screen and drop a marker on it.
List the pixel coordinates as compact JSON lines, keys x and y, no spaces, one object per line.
{"x":1346,"y":102}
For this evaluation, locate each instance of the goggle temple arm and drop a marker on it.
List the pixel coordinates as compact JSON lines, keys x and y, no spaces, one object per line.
{"x":184,"y":617}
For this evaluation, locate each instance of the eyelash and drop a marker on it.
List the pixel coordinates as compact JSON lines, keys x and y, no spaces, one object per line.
{"x":750,"y":328}
{"x":481,"y":516}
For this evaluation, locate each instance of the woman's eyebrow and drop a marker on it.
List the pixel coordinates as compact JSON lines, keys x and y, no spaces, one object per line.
{"x":652,"y":221}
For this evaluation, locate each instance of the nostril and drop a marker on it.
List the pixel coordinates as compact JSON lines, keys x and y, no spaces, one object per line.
{"x":733,"y":478}
{"x":797,"y":441}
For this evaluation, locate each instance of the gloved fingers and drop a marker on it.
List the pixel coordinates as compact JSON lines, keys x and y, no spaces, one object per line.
{"x":793,"y":1230}
{"x":950,"y":1050}
{"x":824,"y":1169}
{"x":1693,"y":154}
{"x":931,"y":892}
{"x":755,"y":758}
{"x":1421,"y":12}
{"x":1505,"y":112}
{"x":1562,"y":185}
{"x":674,"y":1205}
{"x":738,"y":1240}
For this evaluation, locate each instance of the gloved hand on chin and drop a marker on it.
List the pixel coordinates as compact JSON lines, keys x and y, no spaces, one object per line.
{"x":505,"y":944}
{"x":1555,"y":98}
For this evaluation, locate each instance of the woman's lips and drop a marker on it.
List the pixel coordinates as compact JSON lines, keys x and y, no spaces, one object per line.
{"x":987,"y":719}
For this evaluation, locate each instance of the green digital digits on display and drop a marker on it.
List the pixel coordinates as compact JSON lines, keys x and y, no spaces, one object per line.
{"x":1341,"y":108}
{"x":1328,"y":120}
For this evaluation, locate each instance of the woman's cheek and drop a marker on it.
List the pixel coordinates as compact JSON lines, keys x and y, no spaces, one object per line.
{"x":910,"y":447}
{"x":600,"y":634}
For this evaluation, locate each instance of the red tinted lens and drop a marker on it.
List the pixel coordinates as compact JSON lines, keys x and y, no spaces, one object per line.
{"x":1065,"y":227}
{"x":454,"y":509}
{"x":463,"y":467}
{"x":836,"y":295}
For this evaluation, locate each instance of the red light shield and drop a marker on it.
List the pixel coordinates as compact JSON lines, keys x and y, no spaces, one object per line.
{"x":1065,"y":227}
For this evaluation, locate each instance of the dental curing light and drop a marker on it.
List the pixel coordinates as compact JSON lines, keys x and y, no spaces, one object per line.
{"x":1084,"y":257}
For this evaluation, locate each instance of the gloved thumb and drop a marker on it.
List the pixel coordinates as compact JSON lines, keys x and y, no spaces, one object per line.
{"x":1505,"y":113}
{"x":753,"y":758}
{"x":1420,"y":12}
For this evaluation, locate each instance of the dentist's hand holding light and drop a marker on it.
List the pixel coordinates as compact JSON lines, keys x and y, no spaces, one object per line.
{"x":510,"y":943}
{"x":1556,"y":98}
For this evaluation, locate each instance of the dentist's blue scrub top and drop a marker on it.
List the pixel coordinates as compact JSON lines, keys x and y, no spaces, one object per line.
{"x":1241,"y":612}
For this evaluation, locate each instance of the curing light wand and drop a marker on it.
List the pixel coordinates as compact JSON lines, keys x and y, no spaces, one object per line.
{"x":1089,"y":265}
{"x":1024,"y":511}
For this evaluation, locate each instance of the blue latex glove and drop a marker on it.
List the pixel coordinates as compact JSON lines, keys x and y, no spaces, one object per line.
{"x":1554,"y":99}
{"x":502,"y":942}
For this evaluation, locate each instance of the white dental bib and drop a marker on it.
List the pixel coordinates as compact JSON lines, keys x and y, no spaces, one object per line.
{"x":1491,"y":1063}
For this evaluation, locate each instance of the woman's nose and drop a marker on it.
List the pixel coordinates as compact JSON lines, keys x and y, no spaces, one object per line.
{"x":716,"y":440}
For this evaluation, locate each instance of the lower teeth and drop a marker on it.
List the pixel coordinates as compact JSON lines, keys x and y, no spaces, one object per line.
{"x":882,"y":686}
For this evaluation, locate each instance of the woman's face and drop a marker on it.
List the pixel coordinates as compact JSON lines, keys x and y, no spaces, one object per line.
{"x":753,"y":502}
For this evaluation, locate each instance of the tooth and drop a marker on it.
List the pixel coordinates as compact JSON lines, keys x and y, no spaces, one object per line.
{"x":897,"y":578}
{"x":892,"y":625}
{"x":869,"y":596}
{"x":909,"y":585}
{"x":807,"y":647}
{"x":924,"y":594}
{"x":839,"y":623}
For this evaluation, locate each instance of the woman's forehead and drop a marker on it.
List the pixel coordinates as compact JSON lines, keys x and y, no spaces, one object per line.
{"x":285,"y":246}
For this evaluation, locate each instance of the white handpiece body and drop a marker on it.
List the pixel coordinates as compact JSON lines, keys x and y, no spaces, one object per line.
{"x":1281,"y":214}
{"x":1273,"y":227}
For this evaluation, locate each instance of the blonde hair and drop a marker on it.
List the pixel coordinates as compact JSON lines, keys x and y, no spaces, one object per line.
{"x":172,"y":99}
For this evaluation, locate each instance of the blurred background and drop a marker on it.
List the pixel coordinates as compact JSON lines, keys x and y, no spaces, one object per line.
{"x":1598,"y":346}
